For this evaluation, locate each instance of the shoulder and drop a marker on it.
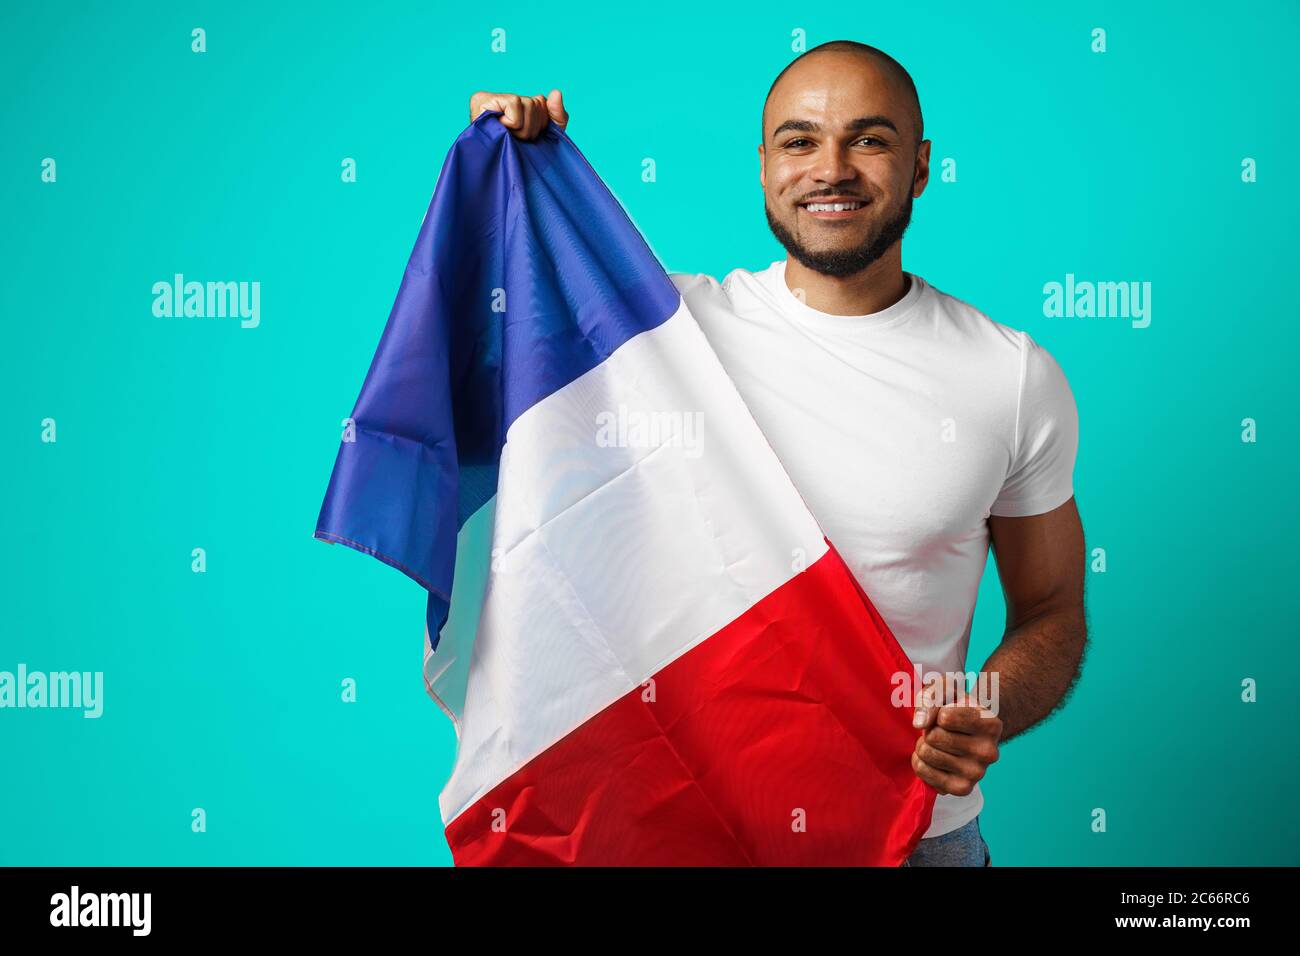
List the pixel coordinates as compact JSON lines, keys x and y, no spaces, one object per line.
{"x":998,"y":340}
{"x":735,"y":284}
{"x":693,"y":282}
{"x":963,"y":320}
{"x":1037,"y":390}
{"x":701,"y":284}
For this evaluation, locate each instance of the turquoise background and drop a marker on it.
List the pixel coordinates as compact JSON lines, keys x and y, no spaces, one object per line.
{"x":222,"y":689}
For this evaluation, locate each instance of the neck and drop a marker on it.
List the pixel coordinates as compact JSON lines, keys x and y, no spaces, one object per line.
{"x":875,"y":288}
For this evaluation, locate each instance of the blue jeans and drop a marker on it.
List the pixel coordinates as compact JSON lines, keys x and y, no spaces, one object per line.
{"x":963,"y":846}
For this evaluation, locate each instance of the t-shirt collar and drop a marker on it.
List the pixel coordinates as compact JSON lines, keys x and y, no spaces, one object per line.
{"x":886,"y":318}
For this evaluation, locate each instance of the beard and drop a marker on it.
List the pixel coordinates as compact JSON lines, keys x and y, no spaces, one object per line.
{"x":839,"y":263}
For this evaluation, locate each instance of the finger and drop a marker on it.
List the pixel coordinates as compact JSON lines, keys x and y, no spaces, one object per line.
{"x":512,"y":110}
{"x":976,"y":747}
{"x":538,"y":118}
{"x":483,"y":102}
{"x":968,"y":720}
{"x":530,"y":127}
{"x":964,"y":767}
{"x":941,"y":780}
{"x":555,"y":106}
{"x":966,"y":699}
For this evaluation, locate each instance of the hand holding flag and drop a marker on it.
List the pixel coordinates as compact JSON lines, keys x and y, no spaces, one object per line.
{"x":958,"y":743}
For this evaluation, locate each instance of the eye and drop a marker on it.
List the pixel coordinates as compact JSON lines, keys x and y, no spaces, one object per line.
{"x":795,"y":142}
{"x":873,"y":139}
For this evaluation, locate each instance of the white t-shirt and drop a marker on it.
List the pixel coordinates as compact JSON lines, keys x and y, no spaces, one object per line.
{"x":903,"y":430}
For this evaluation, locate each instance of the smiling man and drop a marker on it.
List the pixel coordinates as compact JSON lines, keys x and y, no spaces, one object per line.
{"x":918,"y":430}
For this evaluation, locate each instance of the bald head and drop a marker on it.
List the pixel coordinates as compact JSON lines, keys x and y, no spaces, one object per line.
{"x":877,"y":59}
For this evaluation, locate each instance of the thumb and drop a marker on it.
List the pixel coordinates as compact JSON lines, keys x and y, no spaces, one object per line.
{"x":555,"y":106}
{"x":924,"y":715}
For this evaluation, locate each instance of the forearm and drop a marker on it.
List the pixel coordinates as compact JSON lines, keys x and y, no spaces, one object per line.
{"x":1036,"y":665}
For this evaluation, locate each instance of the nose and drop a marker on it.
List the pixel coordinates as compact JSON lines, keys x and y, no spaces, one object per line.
{"x":832,"y":166}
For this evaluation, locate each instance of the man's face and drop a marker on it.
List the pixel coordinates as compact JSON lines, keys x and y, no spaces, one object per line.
{"x":838,"y":129}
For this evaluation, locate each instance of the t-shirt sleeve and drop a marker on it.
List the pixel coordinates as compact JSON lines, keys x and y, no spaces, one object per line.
{"x":1041,"y":476}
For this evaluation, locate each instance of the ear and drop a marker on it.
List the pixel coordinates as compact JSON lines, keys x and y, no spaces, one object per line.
{"x":762,"y":166}
{"x":921,"y":171}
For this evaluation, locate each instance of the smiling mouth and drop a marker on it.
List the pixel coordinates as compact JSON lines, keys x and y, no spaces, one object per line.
{"x":833,"y":210}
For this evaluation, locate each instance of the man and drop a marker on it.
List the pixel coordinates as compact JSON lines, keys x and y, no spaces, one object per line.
{"x":917,"y":430}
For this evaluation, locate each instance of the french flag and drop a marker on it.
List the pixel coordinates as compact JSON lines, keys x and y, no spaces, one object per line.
{"x":668,"y":663}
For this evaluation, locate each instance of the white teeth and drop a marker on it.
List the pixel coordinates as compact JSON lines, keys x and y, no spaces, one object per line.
{"x":832,"y":206}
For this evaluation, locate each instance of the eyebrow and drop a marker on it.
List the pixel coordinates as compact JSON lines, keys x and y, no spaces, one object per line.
{"x":852,"y":126}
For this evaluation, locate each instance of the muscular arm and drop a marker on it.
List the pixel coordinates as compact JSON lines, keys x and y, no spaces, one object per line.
{"x":1041,"y":563}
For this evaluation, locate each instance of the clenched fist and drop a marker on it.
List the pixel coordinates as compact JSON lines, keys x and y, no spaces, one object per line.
{"x":959,"y":743}
{"x":524,"y":116}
